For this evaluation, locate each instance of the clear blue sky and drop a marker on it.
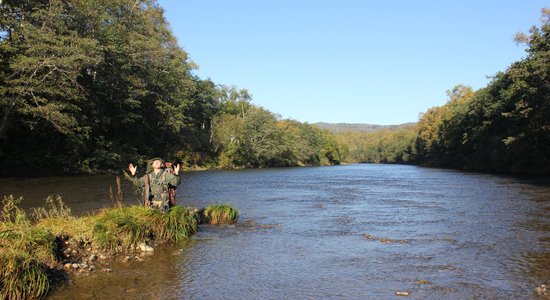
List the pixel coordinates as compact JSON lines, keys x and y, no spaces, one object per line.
{"x":351,"y":61}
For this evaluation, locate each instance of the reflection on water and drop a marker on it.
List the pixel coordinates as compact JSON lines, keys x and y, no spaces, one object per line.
{"x":82,"y":194}
{"x":352,"y":232}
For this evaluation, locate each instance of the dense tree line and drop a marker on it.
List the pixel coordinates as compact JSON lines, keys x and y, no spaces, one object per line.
{"x":379,"y":146}
{"x":245,"y":135}
{"x":90,"y":85}
{"x":503,"y":127}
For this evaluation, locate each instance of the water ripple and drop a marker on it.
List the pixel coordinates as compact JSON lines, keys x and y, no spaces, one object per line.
{"x":349,"y":232}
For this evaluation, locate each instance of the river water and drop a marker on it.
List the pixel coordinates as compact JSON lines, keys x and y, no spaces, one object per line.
{"x":345,"y":232}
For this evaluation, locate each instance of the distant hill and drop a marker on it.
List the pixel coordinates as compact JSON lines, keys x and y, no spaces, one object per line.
{"x":340,"y":127}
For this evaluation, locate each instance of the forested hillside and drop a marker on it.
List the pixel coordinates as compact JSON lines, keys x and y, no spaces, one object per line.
{"x":89,"y":85}
{"x":388,"y":145}
{"x":344,"y":127}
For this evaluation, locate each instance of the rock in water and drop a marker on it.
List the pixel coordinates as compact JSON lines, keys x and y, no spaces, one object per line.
{"x":541,"y":290}
{"x":145,"y":248}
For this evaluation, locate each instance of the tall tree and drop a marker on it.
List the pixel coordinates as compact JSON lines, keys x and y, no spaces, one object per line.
{"x":42,"y":59}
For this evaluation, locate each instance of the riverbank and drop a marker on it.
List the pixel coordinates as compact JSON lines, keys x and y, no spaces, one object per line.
{"x":38,"y":250}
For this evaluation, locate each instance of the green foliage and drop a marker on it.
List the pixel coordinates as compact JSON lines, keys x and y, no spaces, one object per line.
{"x":255,"y":137}
{"x":17,"y":232}
{"x":220,"y":214}
{"x":101,"y":79}
{"x":90,"y":85}
{"x":107,"y":83}
{"x":121,"y":229}
{"x":330,"y":149}
{"x":179,"y":224}
{"x":24,"y":251}
{"x":503,"y":127}
{"x":439,"y":131}
{"x":233,"y":101}
{"x":22,"y":276}
{"x":43,"y":55}
{"x":228,"y":139}
{"x":380,"y":146}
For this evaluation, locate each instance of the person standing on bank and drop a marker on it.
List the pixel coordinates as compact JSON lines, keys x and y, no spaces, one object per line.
{"x":156,"y":183}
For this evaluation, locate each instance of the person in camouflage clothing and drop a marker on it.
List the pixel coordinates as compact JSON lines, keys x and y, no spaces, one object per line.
{"x":156,"y":183}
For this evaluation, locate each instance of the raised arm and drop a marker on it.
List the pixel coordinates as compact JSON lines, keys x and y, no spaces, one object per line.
{"x":174,"y":178}
{"x":139,"y":182}
{"x":132,"y":169}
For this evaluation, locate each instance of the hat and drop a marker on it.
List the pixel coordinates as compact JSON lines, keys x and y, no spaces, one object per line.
{"x":156,"y":158}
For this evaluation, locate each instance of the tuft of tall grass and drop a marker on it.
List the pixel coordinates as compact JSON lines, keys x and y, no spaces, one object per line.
{"x":22,"y":276}
{"x":123,"y":228}
{"x":179,"y":224}
{"x":54,"y":208}
{"x":17,"y":232}
{"x":78,"y":229}
{"x":220,"y":214}
{"x":57,"y":218}
{"x":24,"y":251}
{"x":120,"y":229}
{"x":11,"y":213}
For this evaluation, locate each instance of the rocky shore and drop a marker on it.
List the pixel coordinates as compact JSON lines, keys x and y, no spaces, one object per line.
{"x":41,"y":250}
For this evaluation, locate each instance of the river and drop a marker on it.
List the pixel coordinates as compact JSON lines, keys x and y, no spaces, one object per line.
{"x":345,"y":232}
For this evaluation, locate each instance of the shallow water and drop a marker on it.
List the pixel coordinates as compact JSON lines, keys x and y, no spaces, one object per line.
{"x":344,"y":232}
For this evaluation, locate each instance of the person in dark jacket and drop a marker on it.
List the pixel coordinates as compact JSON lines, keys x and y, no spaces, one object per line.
{"x":156,"y":183}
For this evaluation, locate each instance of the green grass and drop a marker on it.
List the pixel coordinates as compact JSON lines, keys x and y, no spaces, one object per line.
{"x":29,"y":246}
{"x":179,"y":224}
{"x":17,"y":232}
{"x":125,"y":227}
{"x":24,"y":253}
{"x":22,"y":276}
{"x":54,"y":208}
{"x":220,"y":214}
{"x":120,"y":229}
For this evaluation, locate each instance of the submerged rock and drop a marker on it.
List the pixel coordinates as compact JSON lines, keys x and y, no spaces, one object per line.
{"x":422,"y":281}
{"x":542,"y":290}
{"x":383,"y":240}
